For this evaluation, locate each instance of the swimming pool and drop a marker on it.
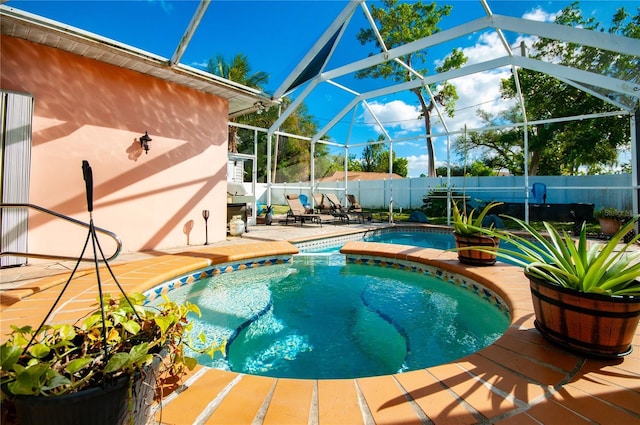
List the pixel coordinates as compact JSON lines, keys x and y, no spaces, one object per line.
{"x":424,"y":237}
{"x":420,"y":236}
{"x":324,"y":317}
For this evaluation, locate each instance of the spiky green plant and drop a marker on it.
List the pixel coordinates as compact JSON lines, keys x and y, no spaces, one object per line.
{"x":465,"y":224}
{"x":611,"y":268}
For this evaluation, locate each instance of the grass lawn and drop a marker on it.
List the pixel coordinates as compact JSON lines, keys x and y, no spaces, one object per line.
{"x":593,"y":228}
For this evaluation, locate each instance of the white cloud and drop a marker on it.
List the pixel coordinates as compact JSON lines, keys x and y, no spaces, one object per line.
{"x":476,"y":91}
{"x":539,"y":14}
{"x":417,"y":165}
{"x":396,"y":115}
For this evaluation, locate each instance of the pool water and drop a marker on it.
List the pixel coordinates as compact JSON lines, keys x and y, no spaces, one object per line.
{"x":444,"y":241}
{"x":320,"y":318}
{"x":421,"y":239}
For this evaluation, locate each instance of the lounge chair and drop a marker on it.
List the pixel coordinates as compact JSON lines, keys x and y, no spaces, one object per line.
{"x":336,"y":205}
{"x":337,"y":210}
{"x":353,"y":203}
{"x":321,"y":203}
{"x":356,"y":208}
{"x":298,"y":212}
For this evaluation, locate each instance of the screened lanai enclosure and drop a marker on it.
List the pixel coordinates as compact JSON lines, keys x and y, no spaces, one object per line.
{"x":465,"y":68}
{"x":357,"y":99}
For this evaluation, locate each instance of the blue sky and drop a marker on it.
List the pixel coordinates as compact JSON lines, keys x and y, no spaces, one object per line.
{"x":275,"y":35}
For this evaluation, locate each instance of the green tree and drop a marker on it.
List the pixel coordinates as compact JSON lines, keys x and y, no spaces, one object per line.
{"x":238,"y":70}
{"x":371,"y":155}
{"x":375,"y":158}
{"x":501,"y":148}
{"x":353,"y":163}
{"x":588,"y":143}
{"x":399,"y":24}
{"x":293,"y":155}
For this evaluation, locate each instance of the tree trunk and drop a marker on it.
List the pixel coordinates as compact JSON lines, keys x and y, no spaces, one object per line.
{"x":535,"y":161}
{"x":426,"y":112}
{"x":233,"y":139}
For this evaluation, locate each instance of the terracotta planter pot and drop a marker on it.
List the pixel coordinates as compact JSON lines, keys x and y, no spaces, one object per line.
{"x":609,"y":226}
{"x":591,"y":324}
{"x":472,"y":256}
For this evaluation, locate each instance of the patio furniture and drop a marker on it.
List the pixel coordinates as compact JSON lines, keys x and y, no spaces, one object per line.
{"x":355,"y":207}
{"x":539,"y":192}
{"x":304,"y":200}
{"x":298,"y":212}
{"x":337,"y":210}
{"x":322,"y":204}
{"x":353,"y":203}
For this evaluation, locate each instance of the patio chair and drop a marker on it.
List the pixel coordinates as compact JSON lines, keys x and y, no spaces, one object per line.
{"x":298,"y":212}
{"x":335,"y":203}
{"x":356,"y":208}
{"x":322,"y":204}
{"x":539,"y":192}
{"x":337,"y":210}
{"x":353,"y":203}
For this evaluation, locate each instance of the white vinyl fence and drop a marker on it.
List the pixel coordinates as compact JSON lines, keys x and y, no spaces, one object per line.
{"x":604,"y":191}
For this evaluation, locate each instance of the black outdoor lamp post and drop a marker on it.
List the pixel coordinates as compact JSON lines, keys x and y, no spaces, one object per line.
{"x":205,"y":215}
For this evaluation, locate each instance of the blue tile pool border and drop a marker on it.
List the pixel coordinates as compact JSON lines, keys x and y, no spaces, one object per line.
{"x":214,"y":270}
{"x":455,"y":279}
{"x":338,"y":241}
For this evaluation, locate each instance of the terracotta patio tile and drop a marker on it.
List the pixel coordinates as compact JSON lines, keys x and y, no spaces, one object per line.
{"x":290,"y":403}
{"x":243,"y":402}
{"x":187,"y":406}
{"x":506,"y":381}
{"x":473,"y":392}
{"x":516,"y":362}
{"x":436,"y":401}
{"x":338,"y":402}
{"x":386,"y":401}
{"x":517,"y":342}
{"x":550,"y":412}
{"x":519,"y":419}
{"x":617,"y":387}
{"x":588,"y":406}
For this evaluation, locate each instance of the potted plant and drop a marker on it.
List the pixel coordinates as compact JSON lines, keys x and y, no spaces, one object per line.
{"x":611,"y":219}
{"x":586,"y":296}
{"x":100,"y":371}
{"x":468,"y":237}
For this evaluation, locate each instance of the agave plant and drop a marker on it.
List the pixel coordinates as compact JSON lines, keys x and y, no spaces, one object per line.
{"x":465,"y":224}
{"x":604,"y":268}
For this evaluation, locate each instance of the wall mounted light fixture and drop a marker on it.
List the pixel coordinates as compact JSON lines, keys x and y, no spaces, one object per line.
{"x":260,"y":107}
{"x":144,"y":142}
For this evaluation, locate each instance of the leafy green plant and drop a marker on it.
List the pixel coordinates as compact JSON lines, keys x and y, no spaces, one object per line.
{"x":465,"y":224}
{"x":613,"y":213}
{"x":603,"y":268}
{"x":435,"y":202}
{"x":61,"y":359}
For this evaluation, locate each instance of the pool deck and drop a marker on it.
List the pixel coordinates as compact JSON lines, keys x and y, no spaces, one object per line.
{"x":520,"y":379}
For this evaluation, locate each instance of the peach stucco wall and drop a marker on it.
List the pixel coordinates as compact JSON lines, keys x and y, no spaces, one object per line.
{"x":85,"y":109}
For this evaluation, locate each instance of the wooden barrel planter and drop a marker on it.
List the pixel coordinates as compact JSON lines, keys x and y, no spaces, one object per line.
{"x":474,"y":256}
{"x":594,"y":325}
